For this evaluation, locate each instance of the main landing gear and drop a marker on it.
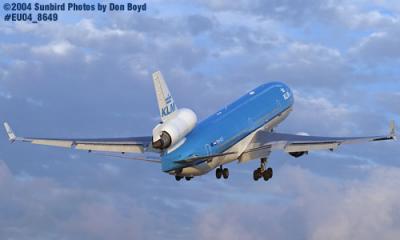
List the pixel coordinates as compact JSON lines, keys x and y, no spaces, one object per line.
{"x":261,"y":172}
{"x":178,"y":178}
{"x":221,"y":172}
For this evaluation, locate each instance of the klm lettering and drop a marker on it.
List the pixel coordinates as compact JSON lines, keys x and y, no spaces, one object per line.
{"x":168,"y":109}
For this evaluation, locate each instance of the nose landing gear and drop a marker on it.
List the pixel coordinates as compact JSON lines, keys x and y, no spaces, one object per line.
{"x":221,"y":172}
{"x":261,"y":172}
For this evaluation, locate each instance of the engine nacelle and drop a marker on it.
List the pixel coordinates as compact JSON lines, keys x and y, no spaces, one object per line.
{"x":173,"y":130}
{"x":297,"y":154}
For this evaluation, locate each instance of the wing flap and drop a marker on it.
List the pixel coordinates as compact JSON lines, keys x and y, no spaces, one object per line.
{"x":53,"y":143}
{"x":110,"y":147}
{"x":304,"y":147}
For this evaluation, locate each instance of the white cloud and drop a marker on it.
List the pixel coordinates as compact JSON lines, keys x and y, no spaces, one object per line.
{"x":40,"y":208}
{"x":354,"y":16}
{"x":93,"y":32}
{"x":360,"y":14}
{"x":34,"y":102}
{"x":309,"y":206}
{"x":61,"y":48}
{"x":311,"y":54}
{"x":364,"y":210}
{"x":378,"y":46}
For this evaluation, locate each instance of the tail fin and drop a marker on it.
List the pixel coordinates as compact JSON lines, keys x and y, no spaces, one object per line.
{"x":165,"y":101}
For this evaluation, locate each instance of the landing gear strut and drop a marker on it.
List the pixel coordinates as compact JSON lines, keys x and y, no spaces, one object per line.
{"x":261,"y":172}
{"x":221,"y":172}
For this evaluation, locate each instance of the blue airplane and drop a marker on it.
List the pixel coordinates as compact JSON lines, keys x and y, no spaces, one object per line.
{"x":241,"y":131}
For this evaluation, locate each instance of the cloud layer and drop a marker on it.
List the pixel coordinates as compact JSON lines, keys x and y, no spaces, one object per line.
{"x":298,"y":204}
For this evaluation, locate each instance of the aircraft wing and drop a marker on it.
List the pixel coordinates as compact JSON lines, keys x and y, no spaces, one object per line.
{"x":121,"y":145}
{"x":291,"y":143}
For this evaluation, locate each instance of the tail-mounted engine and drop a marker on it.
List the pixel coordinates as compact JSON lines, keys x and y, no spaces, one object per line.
{"x":175,"y":129}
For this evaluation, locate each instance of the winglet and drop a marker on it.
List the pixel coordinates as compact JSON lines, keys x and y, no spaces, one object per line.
{"x":10,"y":133}
{"x":392,"y":133}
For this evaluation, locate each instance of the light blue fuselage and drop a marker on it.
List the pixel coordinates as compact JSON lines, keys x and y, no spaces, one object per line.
{"x":232,"y":123}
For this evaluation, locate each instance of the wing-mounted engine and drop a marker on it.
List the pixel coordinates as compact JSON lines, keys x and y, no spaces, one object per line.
{"x":297,"y":154}
{"x":175,"y":129}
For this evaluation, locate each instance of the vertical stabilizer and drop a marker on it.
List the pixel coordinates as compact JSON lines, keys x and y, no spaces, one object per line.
{"x":165,"y":100}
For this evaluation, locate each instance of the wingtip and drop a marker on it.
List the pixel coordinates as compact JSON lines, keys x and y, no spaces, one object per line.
{"x":10,"y":133}
{"x":392,"y":133}
{"x":156,"y":74}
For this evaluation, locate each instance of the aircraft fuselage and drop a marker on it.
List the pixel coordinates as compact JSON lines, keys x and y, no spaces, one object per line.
{"x":267,"y":104}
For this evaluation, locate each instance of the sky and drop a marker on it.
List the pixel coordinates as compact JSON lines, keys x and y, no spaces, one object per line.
{"x":89,"y":75}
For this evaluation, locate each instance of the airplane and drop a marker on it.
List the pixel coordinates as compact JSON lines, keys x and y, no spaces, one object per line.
{"x":241,"y":131}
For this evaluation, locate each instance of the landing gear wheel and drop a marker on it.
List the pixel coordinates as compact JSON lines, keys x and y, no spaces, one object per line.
{"x":225,"y":173}
{"x":257,"y":174}
{"x":178,"y":178}
{"x":267,"y":174}
{"x":262,"y":172}
{"x":270,"y":172}
{"x":218,"y":173}
{"x":188,"y":178}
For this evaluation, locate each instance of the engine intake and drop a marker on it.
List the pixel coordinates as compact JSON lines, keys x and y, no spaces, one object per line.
{"x":164,"y":141}
{"x":297,"y":154}
{"x":172,"y":131}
